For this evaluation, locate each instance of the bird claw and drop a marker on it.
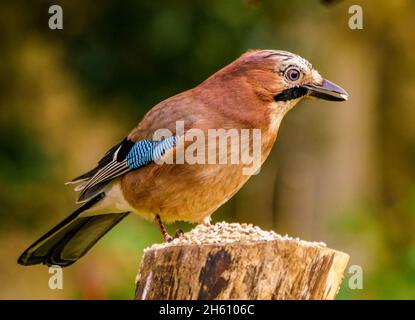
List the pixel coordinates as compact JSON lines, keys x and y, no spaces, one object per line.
{"x":169,"y":238}
{"x":178,"y":234}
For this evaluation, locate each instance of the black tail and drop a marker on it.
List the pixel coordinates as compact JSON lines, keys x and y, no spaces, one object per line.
{"x":72,"y":238}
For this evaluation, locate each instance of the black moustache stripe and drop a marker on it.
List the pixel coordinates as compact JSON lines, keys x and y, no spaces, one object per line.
{"x":290,"y":94}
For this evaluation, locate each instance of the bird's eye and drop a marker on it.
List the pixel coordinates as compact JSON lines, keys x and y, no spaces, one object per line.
{"x":292,"y":74}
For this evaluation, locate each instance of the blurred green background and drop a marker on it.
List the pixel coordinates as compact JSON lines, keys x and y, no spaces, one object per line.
{"x":339,"y":173}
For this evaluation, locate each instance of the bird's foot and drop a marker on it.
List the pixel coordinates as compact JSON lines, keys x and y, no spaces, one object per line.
{"x":165,"y":234}
{"x":178,"y":234}
{"x":169,"y":238}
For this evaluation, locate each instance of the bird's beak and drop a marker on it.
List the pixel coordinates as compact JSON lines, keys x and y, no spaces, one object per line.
{"x":327,"y":90}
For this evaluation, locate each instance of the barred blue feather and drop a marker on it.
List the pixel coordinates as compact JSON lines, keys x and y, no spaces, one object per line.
{"x":145,"y":151}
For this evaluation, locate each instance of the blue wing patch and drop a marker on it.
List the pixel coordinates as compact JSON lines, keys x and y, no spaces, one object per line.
{"x":145,"y":151}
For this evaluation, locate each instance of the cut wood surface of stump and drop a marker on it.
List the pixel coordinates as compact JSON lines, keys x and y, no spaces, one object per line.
{"x":234,"y":261}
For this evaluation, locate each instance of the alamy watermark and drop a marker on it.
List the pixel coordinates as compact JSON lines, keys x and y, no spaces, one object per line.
{"x":356,"y":18}
{"x":218,"y":146}
{"x":56,"y":19}
{"x":56,"y":280}
{"x":356,"y":278}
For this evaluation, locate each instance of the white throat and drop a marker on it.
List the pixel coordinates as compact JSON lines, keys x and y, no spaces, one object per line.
{"x":279,"y":110}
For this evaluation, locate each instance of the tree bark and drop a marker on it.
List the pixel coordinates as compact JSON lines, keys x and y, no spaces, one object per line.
{"x":277,"y":269}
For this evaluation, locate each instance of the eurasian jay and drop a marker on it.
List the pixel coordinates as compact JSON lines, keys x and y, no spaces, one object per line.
{"x":146,"y":175}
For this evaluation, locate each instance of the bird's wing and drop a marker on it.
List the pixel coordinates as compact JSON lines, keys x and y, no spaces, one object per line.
{"x":120,"y":159}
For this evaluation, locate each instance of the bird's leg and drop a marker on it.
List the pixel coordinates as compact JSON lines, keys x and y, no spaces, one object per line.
{"x":162,"y":228}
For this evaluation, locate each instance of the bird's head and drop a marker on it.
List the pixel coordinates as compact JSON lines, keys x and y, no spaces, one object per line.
{"x":284,"y":78}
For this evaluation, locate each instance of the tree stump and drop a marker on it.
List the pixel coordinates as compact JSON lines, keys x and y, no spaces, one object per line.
{"x":232,"y":261}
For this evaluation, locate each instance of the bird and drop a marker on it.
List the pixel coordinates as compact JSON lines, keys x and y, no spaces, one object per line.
{"x":144,"y":175}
